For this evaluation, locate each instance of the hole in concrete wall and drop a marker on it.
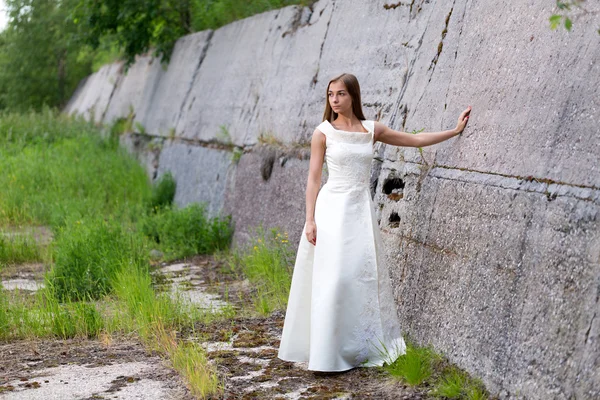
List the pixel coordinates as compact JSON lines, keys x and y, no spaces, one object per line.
{"x":266,"y":169}
{"x":393,"y":187}
{"x":394,"y":220}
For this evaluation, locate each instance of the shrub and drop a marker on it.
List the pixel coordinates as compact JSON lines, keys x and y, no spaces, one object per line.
{"x":182,"y":232}
{"x":88,"y":253}
{"x":163,"y":192}
{"x":267,"y":262}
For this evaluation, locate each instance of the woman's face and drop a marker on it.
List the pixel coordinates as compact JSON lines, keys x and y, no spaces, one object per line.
{"x":339,"y":99}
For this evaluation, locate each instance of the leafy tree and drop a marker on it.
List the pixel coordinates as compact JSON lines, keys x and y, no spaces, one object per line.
{"x":137,"y":25}
{"x":40,"y":61}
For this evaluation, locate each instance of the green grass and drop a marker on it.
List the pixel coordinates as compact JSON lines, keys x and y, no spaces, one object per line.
{"x":55,"y":168}
{"x":267,"y":261}
{"x":421,"y":366}
{"x":163,"y":192}
{"x":89,"y":253}
{"x":18,"y":249}
{"x":415,"y":366}
{"x":212,"y":14}
{"x":457,"y":384}
{"x":105,"y":216}
{"x":181,"y":232}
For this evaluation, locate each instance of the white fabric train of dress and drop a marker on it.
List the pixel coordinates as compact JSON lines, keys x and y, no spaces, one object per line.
{"x":341,"y":312}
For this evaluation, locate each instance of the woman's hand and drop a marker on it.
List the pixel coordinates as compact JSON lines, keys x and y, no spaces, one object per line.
{"x":462,"y":120}
{"x":311,"y":233}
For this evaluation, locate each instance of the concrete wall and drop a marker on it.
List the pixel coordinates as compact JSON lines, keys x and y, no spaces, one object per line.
{"x":493,"y":237}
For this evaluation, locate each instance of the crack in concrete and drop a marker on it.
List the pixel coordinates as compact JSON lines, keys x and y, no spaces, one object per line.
{"x":441,"y":44}
{"x":297,"y":21}
{"x":194,"y":75}
{"x":549,"y":187}
{"x":112,"y":92}
{"x":315,"y":78}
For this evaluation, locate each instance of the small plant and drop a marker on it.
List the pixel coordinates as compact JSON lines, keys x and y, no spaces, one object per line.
{"x":182,"y":232}
{"x":236,"y":155}
{"x":163,"y":192}
{"x":456,"y":384}
{"x":414,"y":132}
{"x":87,"y":257}
{"x":223,"y":135}
{"x":415,"y":366}
{"x":267,"y":262}
{"x":18,"y":249}
{"x":140,"y":128}
{"x":569,"y":7}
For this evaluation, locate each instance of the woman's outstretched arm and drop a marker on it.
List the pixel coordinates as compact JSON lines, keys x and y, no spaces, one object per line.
{"x":396,"y":138}
{"x":313,"y":184}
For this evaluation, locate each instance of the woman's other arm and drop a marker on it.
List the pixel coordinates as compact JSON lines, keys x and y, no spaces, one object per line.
{"x":317,"y":156}
{"x":396,"y":138}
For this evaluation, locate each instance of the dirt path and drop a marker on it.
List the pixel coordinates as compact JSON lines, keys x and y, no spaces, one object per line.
{"x":85,"y":369}
{"x":244,"y":350}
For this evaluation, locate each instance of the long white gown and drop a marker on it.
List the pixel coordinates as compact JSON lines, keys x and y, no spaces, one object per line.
{"x":341,"y":312}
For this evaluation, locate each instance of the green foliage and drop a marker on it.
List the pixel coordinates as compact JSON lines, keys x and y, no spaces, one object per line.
{"x":40,"y":60}
{"x":18,"y":249}
{"x":182,"y":232}
{"x":456,"y":384}
{"x":54,"y":167}
{"x":212,"y":14}
{"x":267,"y":261}
{"x":45,"y":316}
{"x":568,"y":9}
{"x":163,"y":192}
{"x":137,"y":26}
{"x":414,"y":367}
{"x":88,"y":255}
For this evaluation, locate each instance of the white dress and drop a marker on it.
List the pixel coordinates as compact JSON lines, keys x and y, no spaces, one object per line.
{"x":341,"y":312}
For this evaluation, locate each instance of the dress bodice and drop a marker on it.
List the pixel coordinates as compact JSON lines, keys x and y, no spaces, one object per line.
{"x":348,"y":155}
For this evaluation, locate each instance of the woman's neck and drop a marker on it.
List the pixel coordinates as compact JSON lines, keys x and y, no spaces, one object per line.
{"x":346,"y":120}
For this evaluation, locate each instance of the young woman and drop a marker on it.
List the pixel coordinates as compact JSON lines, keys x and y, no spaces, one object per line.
{"x":341,"y":312}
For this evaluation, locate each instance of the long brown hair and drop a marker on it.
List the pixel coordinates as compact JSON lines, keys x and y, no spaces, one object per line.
{"x":353,"y":89}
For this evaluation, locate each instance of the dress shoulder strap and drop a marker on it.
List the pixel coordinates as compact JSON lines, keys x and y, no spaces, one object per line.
{"x":325,"y":127}
{"x":370,"y":126}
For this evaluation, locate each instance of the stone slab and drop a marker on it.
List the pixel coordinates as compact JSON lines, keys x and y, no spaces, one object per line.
{"x":201,"y":173}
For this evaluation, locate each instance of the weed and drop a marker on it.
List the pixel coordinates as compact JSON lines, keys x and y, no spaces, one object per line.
{"x":18,"y":249}
{"x":415,"y":366}
{"x":267,"y":262}
{"x":456,"y":384}
{"x":163,"y":191}
{"x":236,"y":155}
{"x":182,"y":232}
{"x":88,"y":254}
{"x":223,"y":135}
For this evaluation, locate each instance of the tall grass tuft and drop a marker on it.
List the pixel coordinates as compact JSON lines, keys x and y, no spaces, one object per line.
{"x":457,"y":384}
{"x":414,"y":367}
{"x":88,"y":255}
{"x":163,"y":192}
{"x":54,"y":168}
{"x":182,"y":232}
{"x":18,"y":249}
{"x":267,"y":261}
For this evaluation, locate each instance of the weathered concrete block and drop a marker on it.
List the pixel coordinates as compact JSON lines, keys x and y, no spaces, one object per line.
{"x":134,"y":90}
{"x":164,"y":107}
{"x":503,"y":279}
{"x":268,"y":189}
{"x":92,"y":98}
{"x":201,"y":173}
{"x":255,"y":77}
